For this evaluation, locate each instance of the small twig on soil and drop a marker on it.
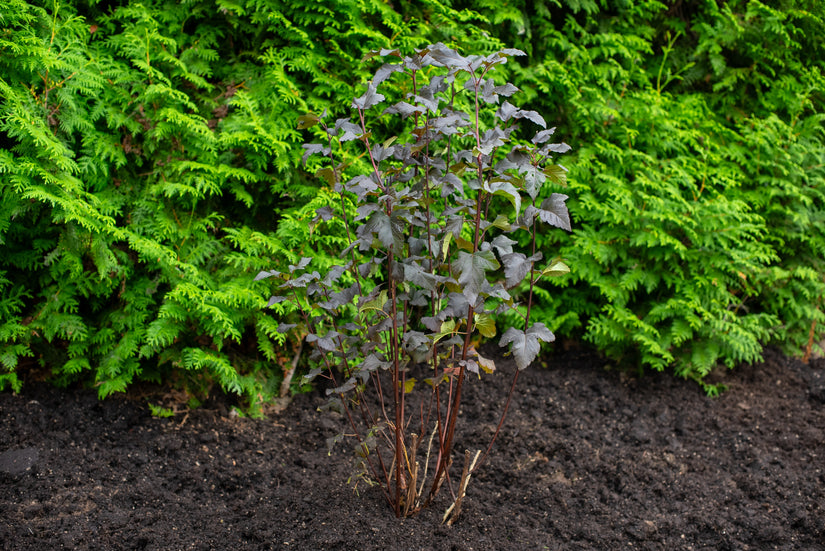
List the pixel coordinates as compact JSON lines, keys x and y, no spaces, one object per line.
{"x":454,"y":510}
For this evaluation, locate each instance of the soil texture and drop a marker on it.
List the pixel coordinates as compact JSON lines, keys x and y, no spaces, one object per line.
{"x":589,"y":458}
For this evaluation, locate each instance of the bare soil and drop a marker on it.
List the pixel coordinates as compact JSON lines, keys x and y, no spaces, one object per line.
{"x":589,"y":459}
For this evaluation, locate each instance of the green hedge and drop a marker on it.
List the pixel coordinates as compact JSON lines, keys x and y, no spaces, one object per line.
{"x":147,"y":152}
{"x":697,"y":184}
{"x":150,"y":167}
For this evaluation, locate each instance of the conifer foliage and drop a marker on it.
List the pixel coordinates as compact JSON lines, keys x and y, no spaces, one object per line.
{"x":145,"y":151}
{"x":697,"y":177}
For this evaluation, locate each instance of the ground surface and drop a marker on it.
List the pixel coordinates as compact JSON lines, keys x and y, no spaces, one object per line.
{"x":590,"y":459}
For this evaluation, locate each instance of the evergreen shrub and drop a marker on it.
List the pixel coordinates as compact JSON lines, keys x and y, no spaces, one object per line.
{"x":147,"y":152}
{"x":698,"y":185}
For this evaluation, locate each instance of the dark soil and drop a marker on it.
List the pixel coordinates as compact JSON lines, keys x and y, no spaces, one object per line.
{"x":589,"y":459}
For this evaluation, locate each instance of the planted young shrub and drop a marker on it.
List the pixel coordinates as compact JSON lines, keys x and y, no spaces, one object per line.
{"x":433,"y":257}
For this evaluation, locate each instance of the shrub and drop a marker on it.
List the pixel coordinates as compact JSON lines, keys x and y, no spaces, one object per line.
{"x":429,"y":261}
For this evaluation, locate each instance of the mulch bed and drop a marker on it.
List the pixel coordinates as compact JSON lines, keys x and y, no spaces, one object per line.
{"x":589,"y":459}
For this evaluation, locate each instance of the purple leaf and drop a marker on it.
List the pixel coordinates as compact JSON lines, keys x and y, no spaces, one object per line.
{"x":274,"y":300}
{"x":446,"y":57}
{"x":417,"y":345}
{"x":558,"y":147}
{"x":533,"y":180}
{"x":553,"y":211}
{"x":373,"y":362}
{"x":264,"y":275}
{"x":439,"y":83}
{"x":334,"y":275}
{"x":431,"y":323}
{"x":530,"y":214}
{"x":350,"y":384}
{"x":361,"y":185}
{"x":541,"y":332}
{"x":525,"y":346}
{"x":497,"y":291}
{"x":470,"y":365}
{"x":326,"y":343}
{"x":543,"y":135}
{"x":303,"y":263}
{"x":387,"y":230}
{"x":456,"y":307}
{"x":385,"y":71}
{"x":449,"y":124}
{"x":503,"y":244}
{"x":507,"y":111}
{"x":515,"y":268}
{"x":507,"y":90}
{"x":311,"y":149}
{"x":427,"y":98}
{"x":379,"y":152}
{"x":416,"y":275}
{"x":302,"y":281}
{"x":370,"y":98}
{"x":365,"y":210}
{"x":351,"y":131}
{"x":404,"y":109}
{"x":488,"y":91}
{"x":336,"y":300}
{"x":532,"y":116}
{"x":420,"y":298}
{"x":323,"y":213}
{"x":472,"y":272}
{"x":490,"y":140}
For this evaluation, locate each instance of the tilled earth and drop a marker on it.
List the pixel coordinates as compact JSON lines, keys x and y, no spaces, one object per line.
{"x":589,"y":459}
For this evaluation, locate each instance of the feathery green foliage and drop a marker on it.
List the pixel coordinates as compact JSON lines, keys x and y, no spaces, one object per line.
{"x":150,"y":165}
{"x":699,"y":192}
{"x":147,"y":150}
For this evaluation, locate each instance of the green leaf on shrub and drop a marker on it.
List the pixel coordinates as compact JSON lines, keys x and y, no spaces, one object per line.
{"x":502,"y":222}
{"x":487,"y":365}
{"x":307,"y":121}
{"x":375,"y":304}
{"x":485,"y":324}
{"x":327,"y":175}
{"x":556,"y":268}
{"x":509,"y":191}
{"x":447,"y":328}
